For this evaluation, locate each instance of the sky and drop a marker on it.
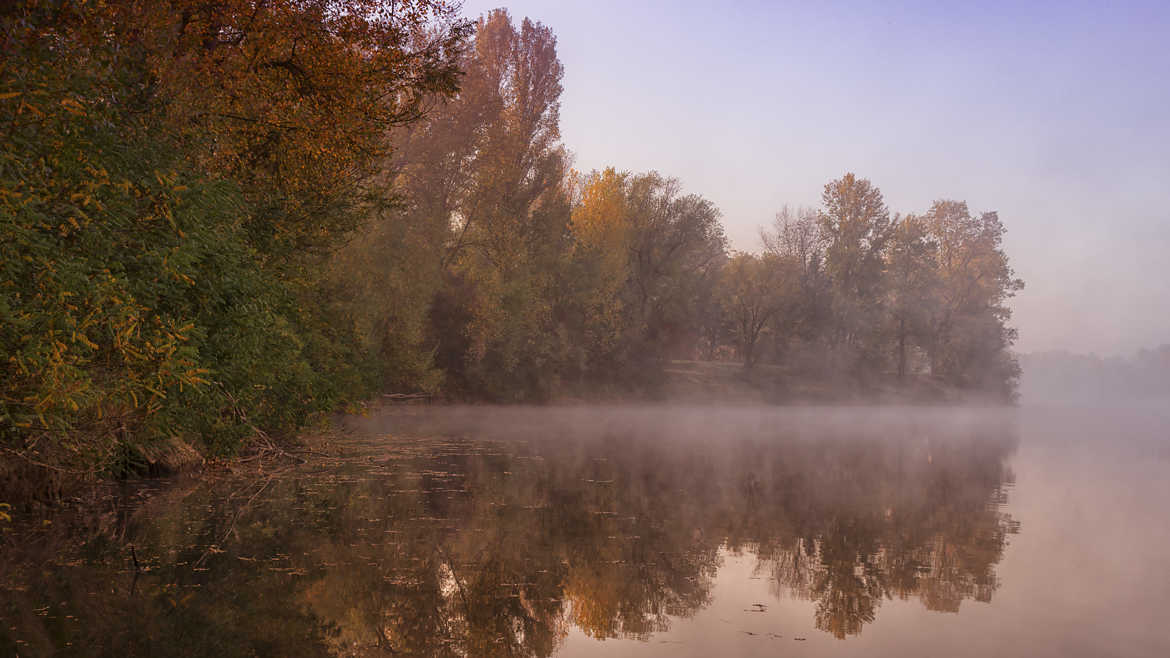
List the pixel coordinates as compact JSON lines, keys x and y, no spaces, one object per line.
{"x":1055,"y":115}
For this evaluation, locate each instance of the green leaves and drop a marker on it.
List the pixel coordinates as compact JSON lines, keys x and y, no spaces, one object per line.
{"x":152,"y":276}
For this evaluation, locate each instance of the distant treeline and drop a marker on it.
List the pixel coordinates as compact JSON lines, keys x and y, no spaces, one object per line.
{"x":218,"y":219}
{"x":1065,"y":377}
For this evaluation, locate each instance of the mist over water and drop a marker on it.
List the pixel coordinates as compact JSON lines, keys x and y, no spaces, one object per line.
{"x":631,"y":530}
{"x":1062,"y":378}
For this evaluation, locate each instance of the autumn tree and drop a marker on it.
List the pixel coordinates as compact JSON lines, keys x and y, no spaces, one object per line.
{"x":646,"y":265}
{"x":855,"y":223}
{"x":970,"y":336}
{"x":171,"y":175}
{"x":601,"y":235}
{"x":677,"y":249}
{"x":877,"y":290}
{"x":912,"y":285}
{"x":479,"y":233}
{"x":529,"y":277}
{"x":510,"y":223}
{"x":796,"y":238}
{"x":754,"y":293}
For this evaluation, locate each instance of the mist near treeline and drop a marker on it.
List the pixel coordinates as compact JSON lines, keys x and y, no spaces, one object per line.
{"x":680,"y":424}
{"x":1064,"y":378}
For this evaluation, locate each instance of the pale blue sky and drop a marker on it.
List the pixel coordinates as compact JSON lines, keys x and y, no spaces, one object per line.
{"x":1057,"y":115}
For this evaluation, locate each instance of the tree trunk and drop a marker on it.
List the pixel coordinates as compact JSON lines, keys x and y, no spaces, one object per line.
{"x":901,"y":349}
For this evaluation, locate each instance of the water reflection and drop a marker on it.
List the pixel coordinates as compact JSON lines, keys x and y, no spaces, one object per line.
{"x":464,"y":540}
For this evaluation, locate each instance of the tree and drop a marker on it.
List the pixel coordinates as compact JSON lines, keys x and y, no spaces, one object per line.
{"x":912,"y":284}
{"x":528,"y":276}
{"x":171,"y":176}
{"x":797,"y":238}
{"x":856,"y":224}
{"x":970,"y":336}
{"x":486,"y":199}
{"x":677,"y":248}
{"x":753,"y":292}
{"x":601,"y":252}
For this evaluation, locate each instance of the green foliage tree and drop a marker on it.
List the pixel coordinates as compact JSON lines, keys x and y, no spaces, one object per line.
{"x":171,"y":177}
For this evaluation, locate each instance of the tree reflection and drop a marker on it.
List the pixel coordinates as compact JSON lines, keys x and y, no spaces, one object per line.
{"x":459,"y":547}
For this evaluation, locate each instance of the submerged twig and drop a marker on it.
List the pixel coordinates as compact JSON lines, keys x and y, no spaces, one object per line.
{"x":232,"y":525}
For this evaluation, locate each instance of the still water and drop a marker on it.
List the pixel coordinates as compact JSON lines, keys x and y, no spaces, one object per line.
{"x":627,"y":532}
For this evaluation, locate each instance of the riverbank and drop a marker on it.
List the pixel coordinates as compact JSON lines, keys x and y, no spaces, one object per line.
{"x":25,"y":482}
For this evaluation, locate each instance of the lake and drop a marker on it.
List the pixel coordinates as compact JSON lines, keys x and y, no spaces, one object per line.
{"x":626,"y":531}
